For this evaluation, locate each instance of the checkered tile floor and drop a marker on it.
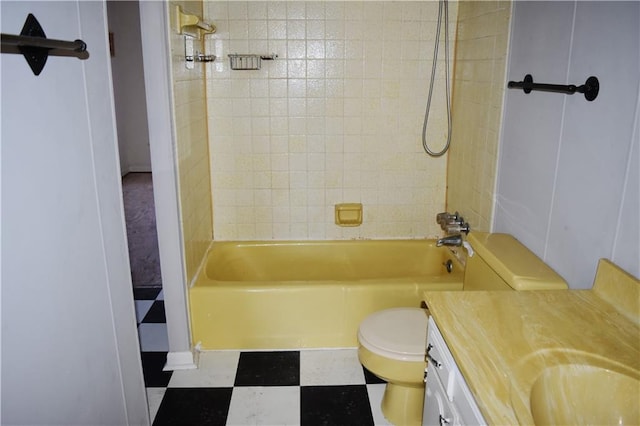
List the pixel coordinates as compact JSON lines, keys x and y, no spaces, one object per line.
{"x":308,"y":387}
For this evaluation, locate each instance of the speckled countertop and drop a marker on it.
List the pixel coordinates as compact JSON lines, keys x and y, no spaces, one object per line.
{"x":502,"y":341}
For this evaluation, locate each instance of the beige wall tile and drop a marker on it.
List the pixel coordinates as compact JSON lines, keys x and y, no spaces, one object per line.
{"x":337,"y":118}
{"x":483,"y":30}
{"x":189,"y":88}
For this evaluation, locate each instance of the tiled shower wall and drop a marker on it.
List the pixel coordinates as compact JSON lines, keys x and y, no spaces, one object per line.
{"x":336,"y":118}
{"x":192,"y":148}
{"x":481,"y":51}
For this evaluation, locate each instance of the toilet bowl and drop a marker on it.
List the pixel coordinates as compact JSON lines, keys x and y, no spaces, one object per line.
{"x":392,"y":342}
{"x":392,"y":346}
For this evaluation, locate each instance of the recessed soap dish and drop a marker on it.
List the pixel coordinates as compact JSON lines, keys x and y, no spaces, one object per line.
{"x":348,"y":214}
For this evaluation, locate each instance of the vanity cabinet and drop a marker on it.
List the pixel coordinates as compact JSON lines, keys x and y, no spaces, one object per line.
{"x":448,"y":400}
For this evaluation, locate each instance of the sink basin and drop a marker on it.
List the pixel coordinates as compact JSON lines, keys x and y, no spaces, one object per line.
{"x":585,"y":394}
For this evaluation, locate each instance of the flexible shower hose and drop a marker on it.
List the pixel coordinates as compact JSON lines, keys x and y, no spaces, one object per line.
{"x":443,"y":4}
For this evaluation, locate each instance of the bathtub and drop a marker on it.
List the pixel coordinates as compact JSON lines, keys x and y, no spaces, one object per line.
{"x":309,"y":294}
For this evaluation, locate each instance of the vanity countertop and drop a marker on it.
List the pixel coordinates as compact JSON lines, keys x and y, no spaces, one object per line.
{"x":502,"y":340}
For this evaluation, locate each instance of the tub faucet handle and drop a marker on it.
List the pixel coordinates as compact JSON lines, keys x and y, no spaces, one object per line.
{"x":456,"y":228}
{"x":446,"y":217}
{"x":442,"y":217}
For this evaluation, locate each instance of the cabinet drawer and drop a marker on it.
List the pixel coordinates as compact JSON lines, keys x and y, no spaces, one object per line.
{"x":448,"y":383}
{"x":465,"y":403}
{"x":439,"y":359}
{"x":438,"y":411}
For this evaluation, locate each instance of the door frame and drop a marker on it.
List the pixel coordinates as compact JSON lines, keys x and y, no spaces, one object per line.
{"x":156,"y":52}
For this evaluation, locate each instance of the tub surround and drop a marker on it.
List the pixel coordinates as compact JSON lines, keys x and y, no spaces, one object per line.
{"x":191,"y":145}
{"x":502,"y":341}
{"x":479,"y":85}
{"x":335,"y":119}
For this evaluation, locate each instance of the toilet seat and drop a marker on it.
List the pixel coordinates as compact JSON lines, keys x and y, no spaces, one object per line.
{"x":397,"y":333}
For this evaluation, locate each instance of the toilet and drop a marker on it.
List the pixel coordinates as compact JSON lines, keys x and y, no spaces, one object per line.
{"x":391,"y":343}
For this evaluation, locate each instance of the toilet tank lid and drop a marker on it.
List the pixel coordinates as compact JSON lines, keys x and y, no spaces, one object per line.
{"x":516,"y":264}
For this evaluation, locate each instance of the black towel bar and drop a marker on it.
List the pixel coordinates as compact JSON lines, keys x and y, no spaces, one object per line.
{"x":34,"y":45}
{"x":590,"y":88}
{"x":47,"y":43}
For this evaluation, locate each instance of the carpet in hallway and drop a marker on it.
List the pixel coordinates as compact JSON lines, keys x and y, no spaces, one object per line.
{"x":139,"y":211}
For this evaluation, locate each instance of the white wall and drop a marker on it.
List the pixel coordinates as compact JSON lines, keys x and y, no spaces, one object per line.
{"x":568,"y":184}
{"x":128,"y":87}
{"x":70,"y":353}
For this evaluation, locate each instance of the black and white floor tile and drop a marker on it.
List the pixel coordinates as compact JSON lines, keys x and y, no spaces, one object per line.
{"x":306,"y":387}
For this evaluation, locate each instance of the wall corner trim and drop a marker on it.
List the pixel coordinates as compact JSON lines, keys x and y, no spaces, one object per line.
{"x":185,"y":360}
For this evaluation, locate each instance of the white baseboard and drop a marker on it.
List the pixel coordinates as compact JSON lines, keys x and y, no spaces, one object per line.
{"x":139,"y":169}
{"x":185,"y":360}
{"x":135,"y":169}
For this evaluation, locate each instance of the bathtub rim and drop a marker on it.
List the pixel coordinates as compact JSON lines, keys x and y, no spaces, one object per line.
{"x":457,"y":256}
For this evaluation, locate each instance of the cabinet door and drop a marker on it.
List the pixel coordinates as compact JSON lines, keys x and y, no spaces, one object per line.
{"x":465,"y":404}
{"x":437,"y":410}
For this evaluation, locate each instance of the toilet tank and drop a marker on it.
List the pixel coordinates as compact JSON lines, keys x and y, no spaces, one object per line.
{"x":500,"y":262}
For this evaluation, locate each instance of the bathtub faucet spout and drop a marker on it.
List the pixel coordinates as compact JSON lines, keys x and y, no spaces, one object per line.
{"x":451,"y":240}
